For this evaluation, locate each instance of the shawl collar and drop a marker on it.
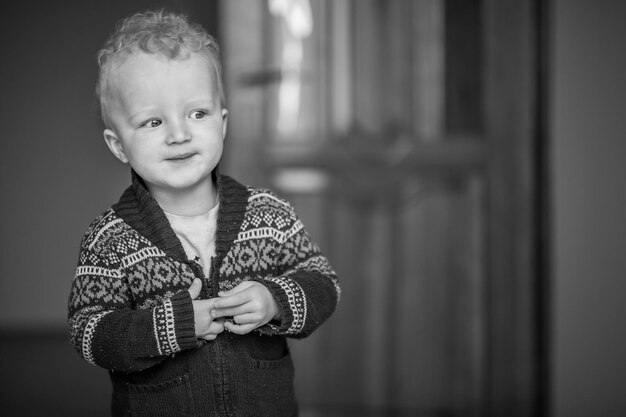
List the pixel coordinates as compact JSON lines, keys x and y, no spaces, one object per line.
{"x":140,"y":210}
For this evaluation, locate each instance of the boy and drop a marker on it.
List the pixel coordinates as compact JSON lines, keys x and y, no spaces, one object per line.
{"x":186,"y":288}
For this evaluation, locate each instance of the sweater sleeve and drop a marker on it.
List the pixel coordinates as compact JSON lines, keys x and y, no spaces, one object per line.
{"x":105,"y":328}
{"x":306,"y":288}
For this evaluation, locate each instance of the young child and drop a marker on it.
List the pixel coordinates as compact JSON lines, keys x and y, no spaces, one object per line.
{"x":187,"y":288}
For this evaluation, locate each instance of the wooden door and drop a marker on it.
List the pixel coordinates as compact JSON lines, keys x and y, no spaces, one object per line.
{"x":405,"y":134}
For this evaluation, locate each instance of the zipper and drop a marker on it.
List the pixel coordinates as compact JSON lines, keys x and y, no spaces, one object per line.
{"x":212,"y":282}
{"x":198,"y":270}
{"x":213,"y":288}
{"x":208,"y":278}
{"x":210,"y":289}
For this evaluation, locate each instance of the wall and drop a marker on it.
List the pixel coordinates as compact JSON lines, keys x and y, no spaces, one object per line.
{"x":589,"y":202}
{"x":56,"y":173}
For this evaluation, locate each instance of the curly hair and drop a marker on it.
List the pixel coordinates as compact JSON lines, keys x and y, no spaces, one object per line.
{"x":156,"y":32}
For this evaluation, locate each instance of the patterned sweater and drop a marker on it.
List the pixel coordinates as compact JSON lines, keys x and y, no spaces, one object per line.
{"x":130,"y":311}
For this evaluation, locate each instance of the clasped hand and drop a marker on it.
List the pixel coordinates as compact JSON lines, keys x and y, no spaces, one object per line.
{"x":250,"y":304}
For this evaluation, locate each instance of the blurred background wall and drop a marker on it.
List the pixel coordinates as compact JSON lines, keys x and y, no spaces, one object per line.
{"x":56,"y":175}
{"x":588,"y":198}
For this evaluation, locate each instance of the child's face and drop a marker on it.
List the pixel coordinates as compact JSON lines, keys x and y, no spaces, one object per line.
{"x":166,"y":121}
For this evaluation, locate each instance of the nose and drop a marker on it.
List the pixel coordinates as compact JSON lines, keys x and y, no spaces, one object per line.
{"x":178,"y":132}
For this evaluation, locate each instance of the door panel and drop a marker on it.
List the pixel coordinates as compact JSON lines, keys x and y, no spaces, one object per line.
{"x":408,"y":155}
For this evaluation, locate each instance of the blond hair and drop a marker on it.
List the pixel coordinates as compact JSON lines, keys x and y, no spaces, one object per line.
{"x":155,"y":32}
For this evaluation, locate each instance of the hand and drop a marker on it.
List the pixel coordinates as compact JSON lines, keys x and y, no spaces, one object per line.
{"x":205,"y":326}
{"x":250,"y":304}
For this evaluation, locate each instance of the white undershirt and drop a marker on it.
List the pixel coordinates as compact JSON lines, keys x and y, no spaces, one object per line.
{"x":197,"y":234}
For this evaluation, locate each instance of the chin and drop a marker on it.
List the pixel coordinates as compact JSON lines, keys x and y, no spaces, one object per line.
{"x":190,"y":184}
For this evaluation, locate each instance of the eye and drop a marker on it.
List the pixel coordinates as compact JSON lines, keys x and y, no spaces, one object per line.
{"x":151,"y":123}
{"x":198,"y":114}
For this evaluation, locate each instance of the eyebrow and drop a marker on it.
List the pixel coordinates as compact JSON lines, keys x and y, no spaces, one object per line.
{"x":142,"y":114}
{"x":211,"y":104}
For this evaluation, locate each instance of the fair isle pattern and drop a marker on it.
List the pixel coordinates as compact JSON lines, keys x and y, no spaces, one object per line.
{"x":78,"y":323}
{"x":155,"y":279}
{"x":262,"y":233}
{"x":267,"y":210}
{"x":125,"y":268}
{"x":90,"y":329}
{"x":297,"y":303}
{"x":112,"y":238}
{"x":256,"y":193}
{"x":145,"y":253}
{"x":297,"y":226}
{"x":155,"y":300}
{"x":102,"y":287}
{"x":164,"y":328}
{"x":107,"y":225}
{"x":270,"y":232}
{"x":264,"y":229}
{"x":94,"y":228}
{"x":249,"y":258}
{"x":97,"y":271}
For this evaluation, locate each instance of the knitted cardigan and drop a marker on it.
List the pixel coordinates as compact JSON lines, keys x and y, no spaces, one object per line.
{"x":130,"y":311}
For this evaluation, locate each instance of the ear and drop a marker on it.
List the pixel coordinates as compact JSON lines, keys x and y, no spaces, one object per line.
{"x":224,"y":122}
{"x":115,"y":145}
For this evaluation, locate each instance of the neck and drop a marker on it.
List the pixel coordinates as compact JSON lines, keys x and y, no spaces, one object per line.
{"x":188,"y":202}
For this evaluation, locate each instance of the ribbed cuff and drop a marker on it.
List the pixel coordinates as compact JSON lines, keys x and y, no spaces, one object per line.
{"x":184,"y":320}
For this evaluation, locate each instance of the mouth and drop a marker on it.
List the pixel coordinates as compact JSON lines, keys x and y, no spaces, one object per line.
{"x":181,"y":157}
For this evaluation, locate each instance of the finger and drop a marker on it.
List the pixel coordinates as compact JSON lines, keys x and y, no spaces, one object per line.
{"x":229,"y":312}
{"x":233,"y":300}
{"x":195,"y":288}
{"x":214,"y":328}
{"x":217,"y":326}
{"x":239,"y":328}
{"x":248,"y":318}
{"x":209,"y":336}
{"x":202,"y":309}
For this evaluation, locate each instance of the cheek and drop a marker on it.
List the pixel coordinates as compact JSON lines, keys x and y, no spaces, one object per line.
{"x":211,"y":136}
{"x":140,"y":153}
{"x":219,"y":142}
{"x":217,"y":148}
